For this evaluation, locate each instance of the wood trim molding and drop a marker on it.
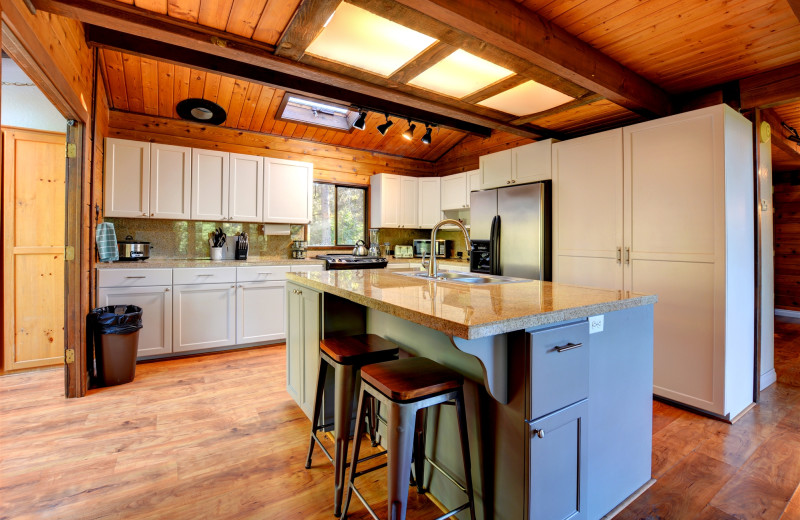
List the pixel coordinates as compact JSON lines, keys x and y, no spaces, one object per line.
{"x":422,"y":62}
{"x":306,"y":24}
{"x":795,"y":5}
{"x":771,"y":88}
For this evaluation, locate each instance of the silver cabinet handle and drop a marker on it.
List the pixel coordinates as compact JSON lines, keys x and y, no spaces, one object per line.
{"x":240,"y":286}
{"x":539,"y":433}
{"x":166,"y":290}
{"x":233,"y":287}
{"x":152,"y":214}
{"x":266,"y":273}
{"x":205,"y":275}
{"x":144,"y":214}
{"x":619,"y":255}
{"x":135,"y":277}
{"x":299,"y":292}
{"x":513,"y":181}
{"x":568,"y":346}
{"x":508,"y":182}
{"x":627,"y":255}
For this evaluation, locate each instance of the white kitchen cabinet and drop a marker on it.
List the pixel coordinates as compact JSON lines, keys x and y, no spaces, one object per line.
{"x":473,"y":182}
{"x":527,"y":163}
{"x":393,"y":201}
{"x":429,"y":201}
{"x":127,"y":179}
{"x":674,"y":220}
{"x":155,"y":337}
{"x":210,"y":184}
{"x":260,"y":312}
{"x":455,"y":193}
{"x":170,"y":181}
{"x":288,"y":188}
{"x":246,"y":198}
{"x":204,"y":316}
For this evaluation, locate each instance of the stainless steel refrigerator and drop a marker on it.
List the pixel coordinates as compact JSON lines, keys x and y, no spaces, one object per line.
{"x":510,"y":231}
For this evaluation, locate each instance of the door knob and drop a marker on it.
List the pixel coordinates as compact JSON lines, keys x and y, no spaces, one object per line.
{"x":539,"y":433}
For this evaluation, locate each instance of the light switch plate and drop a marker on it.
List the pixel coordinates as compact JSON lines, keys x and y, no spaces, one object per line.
{"x":764,"y":205}
{"x":596,"y":324}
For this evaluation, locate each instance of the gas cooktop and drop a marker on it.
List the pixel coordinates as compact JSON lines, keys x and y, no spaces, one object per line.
{"x":336,"y":261}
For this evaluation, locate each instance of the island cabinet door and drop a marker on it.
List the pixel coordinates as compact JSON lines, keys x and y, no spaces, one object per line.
{"x":557,"y":465}
{"x":302,"y":344}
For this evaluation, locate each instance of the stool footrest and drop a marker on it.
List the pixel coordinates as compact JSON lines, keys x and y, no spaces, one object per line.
{"x":370,"y":470}
{"x":447,"y":475}
{"x":453,"y":512}
{"x":323,"y":448}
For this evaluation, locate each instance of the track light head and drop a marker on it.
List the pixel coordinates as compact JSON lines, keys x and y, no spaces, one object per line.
{"x":361,"y":122}
{"x":409,"y":133}
{"x":385,"y":126}
{"x":426,"y":139}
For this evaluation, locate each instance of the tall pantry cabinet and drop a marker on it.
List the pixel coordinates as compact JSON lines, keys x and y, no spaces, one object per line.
{"x":666,"y":207}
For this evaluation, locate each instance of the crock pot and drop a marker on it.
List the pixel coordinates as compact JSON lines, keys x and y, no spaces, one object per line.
{"x":130,"y":249}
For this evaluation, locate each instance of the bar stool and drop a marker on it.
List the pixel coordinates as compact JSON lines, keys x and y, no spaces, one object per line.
{"x":406,"y":387}
{"x":346,"y":354}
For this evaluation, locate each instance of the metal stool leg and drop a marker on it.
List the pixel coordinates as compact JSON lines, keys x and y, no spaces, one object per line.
{"x":323,"y":368}
{"x":462,"y":428}
{"x":343,"y":410}
{"x":419,"y":451}
{"x":400,"y":446}
{"x":356,"y":448}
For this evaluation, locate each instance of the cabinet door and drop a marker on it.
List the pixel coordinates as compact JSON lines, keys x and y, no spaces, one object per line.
{"x":302,"y":344}
{"x":155,"y":337}
{"x":287,"y":191}
{"x":473,"y":183}
{"x":531,"y":162}
{"x":260,"y":312}
{"x":557,"y":465}
{"x":429,"y":200}
{"x":385,"y":201}
{"x":170,"y":181}
{"x":587,"y":211}
{"x":204,"y":316}
{"x":455,"y":191}
{"x":246,"y":202}
{"x":408,"y":202}
{"x":127,"y":179}
{"x":210,"y":182}
{"x":495,"y":169}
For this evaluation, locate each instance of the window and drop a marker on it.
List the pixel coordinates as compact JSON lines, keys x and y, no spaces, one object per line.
{"x":339,"y":215}
{"x":315,"y":112}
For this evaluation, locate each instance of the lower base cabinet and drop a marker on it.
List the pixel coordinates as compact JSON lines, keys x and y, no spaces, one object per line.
{"x":155,"y":337}
{"x":204,"y":316}
{"x":303,"y":333}
{"x":260,"y":311}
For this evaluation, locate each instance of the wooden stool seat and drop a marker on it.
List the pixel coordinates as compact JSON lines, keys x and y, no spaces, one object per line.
{"x":412,"y":378}
{"x":359,"y":349}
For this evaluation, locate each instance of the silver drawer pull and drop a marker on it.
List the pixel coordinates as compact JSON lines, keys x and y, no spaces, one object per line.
{"x":568,"y":346}
{"x":205,"y":275}
{"x":135,"y":277}
{"x":539,"y":433}
{"x":265,"y":273}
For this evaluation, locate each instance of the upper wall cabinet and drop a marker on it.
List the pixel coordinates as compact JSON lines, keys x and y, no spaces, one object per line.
{"x":393,"y":201}
{"x":246,"y":197}
{"x":528,"y":163}
{"x":288,"y":190}
{"x":457,"y":188}
{"x":170,"y":181}
{"x":127,"y":178}
{"x":210,"y":183}
{"x":429,"y":205}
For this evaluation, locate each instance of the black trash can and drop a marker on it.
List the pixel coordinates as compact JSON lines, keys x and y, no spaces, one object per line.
{"x":112,"y":337}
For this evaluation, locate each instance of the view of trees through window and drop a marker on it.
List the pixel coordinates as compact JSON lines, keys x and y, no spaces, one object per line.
{"x":339,"y":215}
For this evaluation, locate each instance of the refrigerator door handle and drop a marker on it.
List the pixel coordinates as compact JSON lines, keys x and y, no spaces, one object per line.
{"x":495,"y":247}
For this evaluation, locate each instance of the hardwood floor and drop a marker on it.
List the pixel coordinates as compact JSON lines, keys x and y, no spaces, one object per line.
{"x":217,"y":437}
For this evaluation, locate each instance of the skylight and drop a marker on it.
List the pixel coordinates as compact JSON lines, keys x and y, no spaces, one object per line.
{"x":358,"y":38}
{"x":528,"y":98}
{"x":315,"y":112}
{"x":460,"y":74}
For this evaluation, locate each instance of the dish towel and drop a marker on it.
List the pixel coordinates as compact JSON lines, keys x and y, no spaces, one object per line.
{"x":106,"y":240}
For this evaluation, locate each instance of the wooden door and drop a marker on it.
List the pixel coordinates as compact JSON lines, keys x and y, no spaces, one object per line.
{"x":210,"y":185}
{"x":247,"y":188}
{"x":170,"y":181}
{"x":34,"y":195}
{"x":127,"y":178}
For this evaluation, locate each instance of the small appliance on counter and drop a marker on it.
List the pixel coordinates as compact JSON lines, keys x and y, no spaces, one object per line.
{"x":299,"y":249}
{"x":403,"y":252}
{"x":423,"y":246}
{"x":130,"y":249}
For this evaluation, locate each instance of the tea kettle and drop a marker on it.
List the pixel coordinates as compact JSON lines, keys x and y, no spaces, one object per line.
{"x":360,"y":249}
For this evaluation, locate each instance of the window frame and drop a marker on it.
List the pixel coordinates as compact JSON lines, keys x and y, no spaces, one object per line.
{"x":351,"y":117}
{"x":337,"y":185}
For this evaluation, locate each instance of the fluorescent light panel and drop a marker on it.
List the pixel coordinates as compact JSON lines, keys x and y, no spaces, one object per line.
{"x":318,"y":113}
{"x":366,"y":41}
{"x":460,"y":74}
{"x":528,"y":98}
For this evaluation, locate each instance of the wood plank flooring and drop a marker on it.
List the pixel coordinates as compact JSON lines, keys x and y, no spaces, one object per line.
{"x":217,"y":437}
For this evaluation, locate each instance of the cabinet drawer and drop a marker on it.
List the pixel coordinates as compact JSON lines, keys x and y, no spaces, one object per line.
{"x":133,"y":277}
{"x":559,"y":374}
{"x":193,"y":275}
{"x":307,"y":267}
{"x":264,"y":273}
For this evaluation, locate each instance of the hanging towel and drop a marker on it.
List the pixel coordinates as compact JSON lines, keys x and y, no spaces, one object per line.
{"x":106,"y":242}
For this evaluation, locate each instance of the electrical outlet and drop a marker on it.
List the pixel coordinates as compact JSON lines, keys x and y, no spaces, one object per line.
{"x":596,"y":324}
{"x":764,"y":205}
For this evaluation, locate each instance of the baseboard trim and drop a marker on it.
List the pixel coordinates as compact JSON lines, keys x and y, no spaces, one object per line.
{"x":787,"y":313}
{"x":768,"y":378}
{"x":625,"y":503}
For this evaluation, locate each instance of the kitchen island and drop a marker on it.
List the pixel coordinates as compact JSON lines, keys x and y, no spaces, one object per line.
{"x":559,"y":416}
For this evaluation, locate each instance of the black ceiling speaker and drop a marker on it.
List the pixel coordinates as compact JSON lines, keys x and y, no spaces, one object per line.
{"x":201,"y":111}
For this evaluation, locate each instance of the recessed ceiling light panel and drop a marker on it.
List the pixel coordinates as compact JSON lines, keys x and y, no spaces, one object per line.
{"x":460,"y":74}
{"x":201,"y":111}
{"x":366,"y":41}
{"x":528,"y":98}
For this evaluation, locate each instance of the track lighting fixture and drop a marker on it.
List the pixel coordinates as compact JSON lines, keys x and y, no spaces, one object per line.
{"x":426,"y":139}
{"x":361,"y":122}
{"x":385,"y":126}
{"x":409,"y":133}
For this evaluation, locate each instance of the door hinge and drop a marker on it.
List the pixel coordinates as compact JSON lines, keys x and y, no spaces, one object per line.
{"x":69,"y":355}
{"x":72,"y":151}
{"x":69,"y":253}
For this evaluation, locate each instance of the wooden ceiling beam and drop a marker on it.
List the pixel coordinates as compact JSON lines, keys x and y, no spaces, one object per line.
{"x":778,"y":139}
{"x":422,"y":62}
{"x":511,"y":27}
{"x":795,"y":5}
{"x":586,"y":100}
{"x":495,"y":88}
{"x":772,"y":88}
{"x":306,"y":24}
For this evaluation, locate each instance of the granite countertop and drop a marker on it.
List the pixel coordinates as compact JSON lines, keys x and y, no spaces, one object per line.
{"x":469,"y":311}
{"x":170,"y":263}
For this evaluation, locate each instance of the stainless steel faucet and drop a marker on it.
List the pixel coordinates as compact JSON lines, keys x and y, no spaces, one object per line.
{"x":433,"y":270}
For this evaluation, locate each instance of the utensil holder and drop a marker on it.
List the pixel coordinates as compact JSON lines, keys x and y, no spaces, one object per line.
{"x":217,"y":253}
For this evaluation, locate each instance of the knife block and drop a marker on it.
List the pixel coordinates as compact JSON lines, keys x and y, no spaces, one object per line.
{"x":241,"y":252}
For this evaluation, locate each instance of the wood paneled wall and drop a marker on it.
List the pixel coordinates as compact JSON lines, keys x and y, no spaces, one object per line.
{"x":786,"y":199}
{"x":331,"y":163}
{"x":464,"y":156}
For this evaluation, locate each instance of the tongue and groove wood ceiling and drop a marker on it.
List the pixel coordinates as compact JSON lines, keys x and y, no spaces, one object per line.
{"x":663,"y":47}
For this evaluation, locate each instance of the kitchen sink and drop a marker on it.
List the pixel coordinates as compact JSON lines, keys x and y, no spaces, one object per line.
{"x":459,"y":277}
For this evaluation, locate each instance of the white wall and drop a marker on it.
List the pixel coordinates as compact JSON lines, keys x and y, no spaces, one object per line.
{"x":27,"y":107}
{"x":768,"y":375}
